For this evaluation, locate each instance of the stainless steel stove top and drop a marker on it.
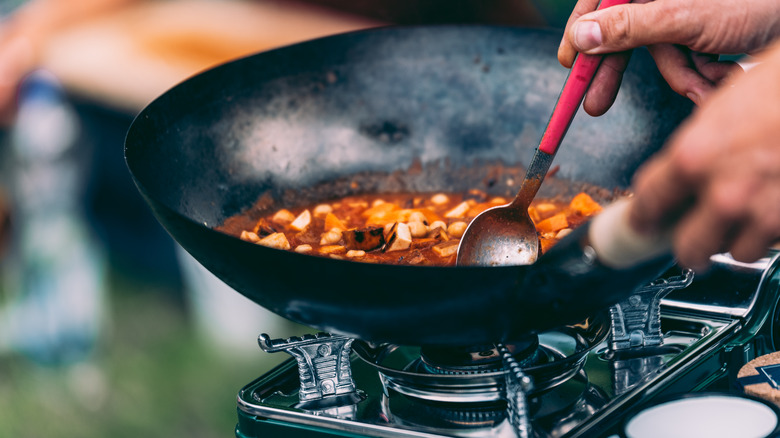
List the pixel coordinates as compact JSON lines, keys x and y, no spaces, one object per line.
{"x":589,"y":380}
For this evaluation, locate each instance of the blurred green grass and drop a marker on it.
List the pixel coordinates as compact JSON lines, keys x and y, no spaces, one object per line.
{"x":150,"y":376}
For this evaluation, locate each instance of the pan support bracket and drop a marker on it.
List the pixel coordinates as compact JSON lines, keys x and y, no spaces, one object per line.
{"x":636,"y":321}
{"x":518,"y":384}
{"x":323,"y":368}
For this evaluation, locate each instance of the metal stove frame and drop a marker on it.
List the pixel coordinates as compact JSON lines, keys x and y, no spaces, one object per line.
{"x":720,"y":323}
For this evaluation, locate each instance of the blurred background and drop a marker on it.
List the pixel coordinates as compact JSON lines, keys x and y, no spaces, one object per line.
{"x":107,"y":328}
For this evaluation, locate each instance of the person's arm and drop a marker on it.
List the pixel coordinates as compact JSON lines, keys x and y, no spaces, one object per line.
{"x":717,"y":181}
{"x":684,"y":37}
{"x":24,"y":33}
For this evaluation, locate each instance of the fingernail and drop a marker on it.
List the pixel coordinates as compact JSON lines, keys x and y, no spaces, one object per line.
{"x":694,"y":98}
{"x":587,"y":35}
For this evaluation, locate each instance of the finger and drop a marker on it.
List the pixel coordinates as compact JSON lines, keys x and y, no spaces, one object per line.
{"x":661,"y":193}
{"x":604,"y":88}
{"x":667,"y":182}
{"x":679,"y":71}
{"x":714,"y":70}
{"x":750,"y":244}
{"x":722,"y":217}
{"x":624,"y":27}
{"x":566,"y":52}
{"x":699,"y":234}
{"x":763,"y":226}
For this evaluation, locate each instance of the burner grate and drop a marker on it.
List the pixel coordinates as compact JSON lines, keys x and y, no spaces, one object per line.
{"x":476,"y":375}
{"x":477,"y":359}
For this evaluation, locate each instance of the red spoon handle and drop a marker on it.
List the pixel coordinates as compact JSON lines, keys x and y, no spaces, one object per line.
{"x":573,"y":92}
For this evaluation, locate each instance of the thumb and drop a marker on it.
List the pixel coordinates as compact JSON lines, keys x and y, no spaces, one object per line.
{"x":624,"y":27}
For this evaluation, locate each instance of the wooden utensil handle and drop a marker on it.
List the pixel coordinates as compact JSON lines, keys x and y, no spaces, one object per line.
{"x":617,"y":244}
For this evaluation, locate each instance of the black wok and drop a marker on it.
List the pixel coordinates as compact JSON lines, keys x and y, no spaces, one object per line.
{"x":395,"y":109}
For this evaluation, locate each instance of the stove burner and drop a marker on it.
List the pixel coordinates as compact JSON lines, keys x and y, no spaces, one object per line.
{"x":559,"y":409}
{"x":475,"y":374}
{"x":474,"y":359}
{"x":443,"y":416}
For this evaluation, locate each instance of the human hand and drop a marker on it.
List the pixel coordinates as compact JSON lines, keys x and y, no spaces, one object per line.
{"x":717,"y":181}
{"x":682,"y":35}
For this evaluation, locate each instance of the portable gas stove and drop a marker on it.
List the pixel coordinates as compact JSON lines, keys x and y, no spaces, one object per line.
{"x":677,"y":335}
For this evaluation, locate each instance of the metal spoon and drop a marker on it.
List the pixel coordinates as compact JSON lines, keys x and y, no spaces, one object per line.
{"x":506,"y":235}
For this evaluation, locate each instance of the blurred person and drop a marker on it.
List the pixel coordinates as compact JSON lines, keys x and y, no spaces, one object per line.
{"x":716,"y":184}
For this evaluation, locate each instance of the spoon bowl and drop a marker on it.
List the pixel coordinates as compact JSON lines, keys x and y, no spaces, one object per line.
{"x":506,"y":235}
{"x":499,"y":236}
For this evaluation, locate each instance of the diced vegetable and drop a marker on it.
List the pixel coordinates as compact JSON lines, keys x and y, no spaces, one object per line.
{"x":456,"y":229}
{"x":545,"y":244}
{"x":545,"y":208}
{"x":302,"y":221}
{"x":385,"y":217}
{"x":399,"y":228}
{"x":440,"y":199}
{"x":249,"y":236}
{"x":331,"y":237}
{"x":446,"y":249}
{"x":380,"y":209}
{"x":322,"y":210}
{"x":553,"y":223}
{"x":418,"y":229}
{"x":533,"y":213}
{"x":276,"y":240}
{"x":584,"y":205}
{"x":283,"y":217}
{"x":400,"y":238}
{"x":418,"y":216}
{"x":459,"y":211}
{"x":332,"y":249}
{"x":331,"y":222}
{"x":303,"y":249}
{"x":430,"y":215}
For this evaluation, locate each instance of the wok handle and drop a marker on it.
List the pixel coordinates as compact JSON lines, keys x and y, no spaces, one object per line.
{"x":573,"y":93}
{"x":617,"y":245}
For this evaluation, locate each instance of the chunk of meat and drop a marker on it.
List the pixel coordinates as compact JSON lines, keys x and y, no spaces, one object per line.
{"x":263,"y":227}
{"x":365,"y":239}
